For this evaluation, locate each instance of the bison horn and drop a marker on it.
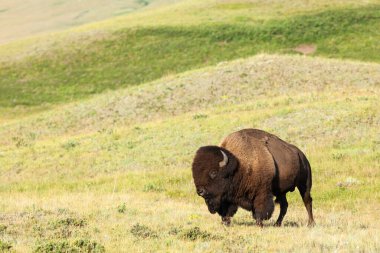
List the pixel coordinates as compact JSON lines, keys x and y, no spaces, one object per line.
{"x":225,"y":160}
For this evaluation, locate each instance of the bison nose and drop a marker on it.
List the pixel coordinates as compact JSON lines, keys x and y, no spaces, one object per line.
{"x":201,"y":191}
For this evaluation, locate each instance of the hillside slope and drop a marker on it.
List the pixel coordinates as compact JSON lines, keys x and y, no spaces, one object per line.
{"x":260,"y":78}
{"x":115,"y":169}
{"x":115,"y":54}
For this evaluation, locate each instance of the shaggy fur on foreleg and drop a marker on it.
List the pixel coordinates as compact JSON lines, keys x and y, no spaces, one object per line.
{"x":227,"y":211}
{"x":264,"y":207}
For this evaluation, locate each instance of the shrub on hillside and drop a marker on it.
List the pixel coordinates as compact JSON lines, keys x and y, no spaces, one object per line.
{"x":5,"y":246}
{"x":77,"y":246}
{"x":142,"y":231}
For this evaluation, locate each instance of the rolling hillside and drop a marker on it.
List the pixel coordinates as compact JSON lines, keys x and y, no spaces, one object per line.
{"x":99,"y":124}
{"x":120,"y":161}
{"x":79,"y":63}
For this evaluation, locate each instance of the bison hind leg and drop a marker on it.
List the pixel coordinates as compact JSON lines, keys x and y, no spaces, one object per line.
{"x":304,"y":186}
{"x":283,"y":209}
{"x":308,"y":201}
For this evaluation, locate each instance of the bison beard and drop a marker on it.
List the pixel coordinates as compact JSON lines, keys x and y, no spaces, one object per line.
{"x":247,"y":170}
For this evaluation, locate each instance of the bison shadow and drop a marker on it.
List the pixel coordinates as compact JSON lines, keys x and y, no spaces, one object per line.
{"x":253,"y":223}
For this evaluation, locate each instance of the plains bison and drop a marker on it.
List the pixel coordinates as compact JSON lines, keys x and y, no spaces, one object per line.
{"x":247,"y":170}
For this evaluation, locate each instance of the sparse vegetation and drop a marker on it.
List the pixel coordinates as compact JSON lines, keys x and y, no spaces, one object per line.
{"x":196,"y":233}
{"x":80,"y":246}
{"x":3,"y":228}
{"x":143,"y":232}
{"x":122,"y":208}
{"x":67,"y":222}
{"x":5,"y":246}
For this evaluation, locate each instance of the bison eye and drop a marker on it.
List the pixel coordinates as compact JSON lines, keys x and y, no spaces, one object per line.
{"x":201,"y":192}
{"x":213,"y":174}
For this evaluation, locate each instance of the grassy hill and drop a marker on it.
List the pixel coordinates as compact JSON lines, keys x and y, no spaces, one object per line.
{"x":118,"y":164}
{"x":99,"y":125}
{"x":87,"y":63}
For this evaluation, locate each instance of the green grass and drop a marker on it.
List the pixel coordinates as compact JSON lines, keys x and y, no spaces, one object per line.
{"x":114,"y":171}
{"x":135,"y":56}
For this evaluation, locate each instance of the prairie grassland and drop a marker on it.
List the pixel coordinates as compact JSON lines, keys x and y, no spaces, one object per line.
{"x":113,"y":172}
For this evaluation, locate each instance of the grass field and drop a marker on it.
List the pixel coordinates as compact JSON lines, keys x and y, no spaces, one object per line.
{"x":124,"y":171}
{"x":99,"y":125}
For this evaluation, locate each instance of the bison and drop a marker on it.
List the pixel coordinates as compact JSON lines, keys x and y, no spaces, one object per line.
{"x":247,"y":170}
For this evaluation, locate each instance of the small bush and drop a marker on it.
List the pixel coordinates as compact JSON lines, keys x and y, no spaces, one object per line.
{"x":86,"y":245}
{"x":337,"y":156}
{"x":20,"y":142}
{"x":61,"y":228}
{"x":77,"y":246}
{"x":196,"y":233}
{"x":174,"y":231}
{"x":200,"y":116}
{"x":69,"y":221}
{"x":70,"y":145}
{"x":122,"y":208}
{"x":54,"y":247}
{"x":5,"y":246}
{"x":141,"y":231}
{"x":38,"y":231}
{"x":2,"y":228}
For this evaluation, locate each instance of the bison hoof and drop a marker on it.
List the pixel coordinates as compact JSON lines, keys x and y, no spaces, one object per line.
{"x":311,"y":224}
{"x":226,"y":221}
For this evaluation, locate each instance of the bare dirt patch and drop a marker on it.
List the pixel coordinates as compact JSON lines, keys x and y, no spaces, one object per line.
{"x":305,"y":49}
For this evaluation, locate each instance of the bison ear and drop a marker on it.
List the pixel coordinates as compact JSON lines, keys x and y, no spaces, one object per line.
{"x":229,"y":164}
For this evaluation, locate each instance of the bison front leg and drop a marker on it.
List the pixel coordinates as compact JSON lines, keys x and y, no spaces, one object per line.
{"x":263,"y":208}
{"x":226,"y":220}
{"x":227,"y":211}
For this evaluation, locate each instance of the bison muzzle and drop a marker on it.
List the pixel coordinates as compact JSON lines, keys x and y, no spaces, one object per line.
{"x":247,"y":170}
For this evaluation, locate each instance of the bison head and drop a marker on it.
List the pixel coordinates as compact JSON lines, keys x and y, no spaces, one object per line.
{"x":213,"y":168}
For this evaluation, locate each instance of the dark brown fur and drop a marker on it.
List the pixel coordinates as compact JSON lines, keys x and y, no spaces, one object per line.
{"x":260,"y":166}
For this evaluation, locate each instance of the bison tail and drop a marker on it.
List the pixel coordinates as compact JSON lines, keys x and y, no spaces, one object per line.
{"x":307,"y":168}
